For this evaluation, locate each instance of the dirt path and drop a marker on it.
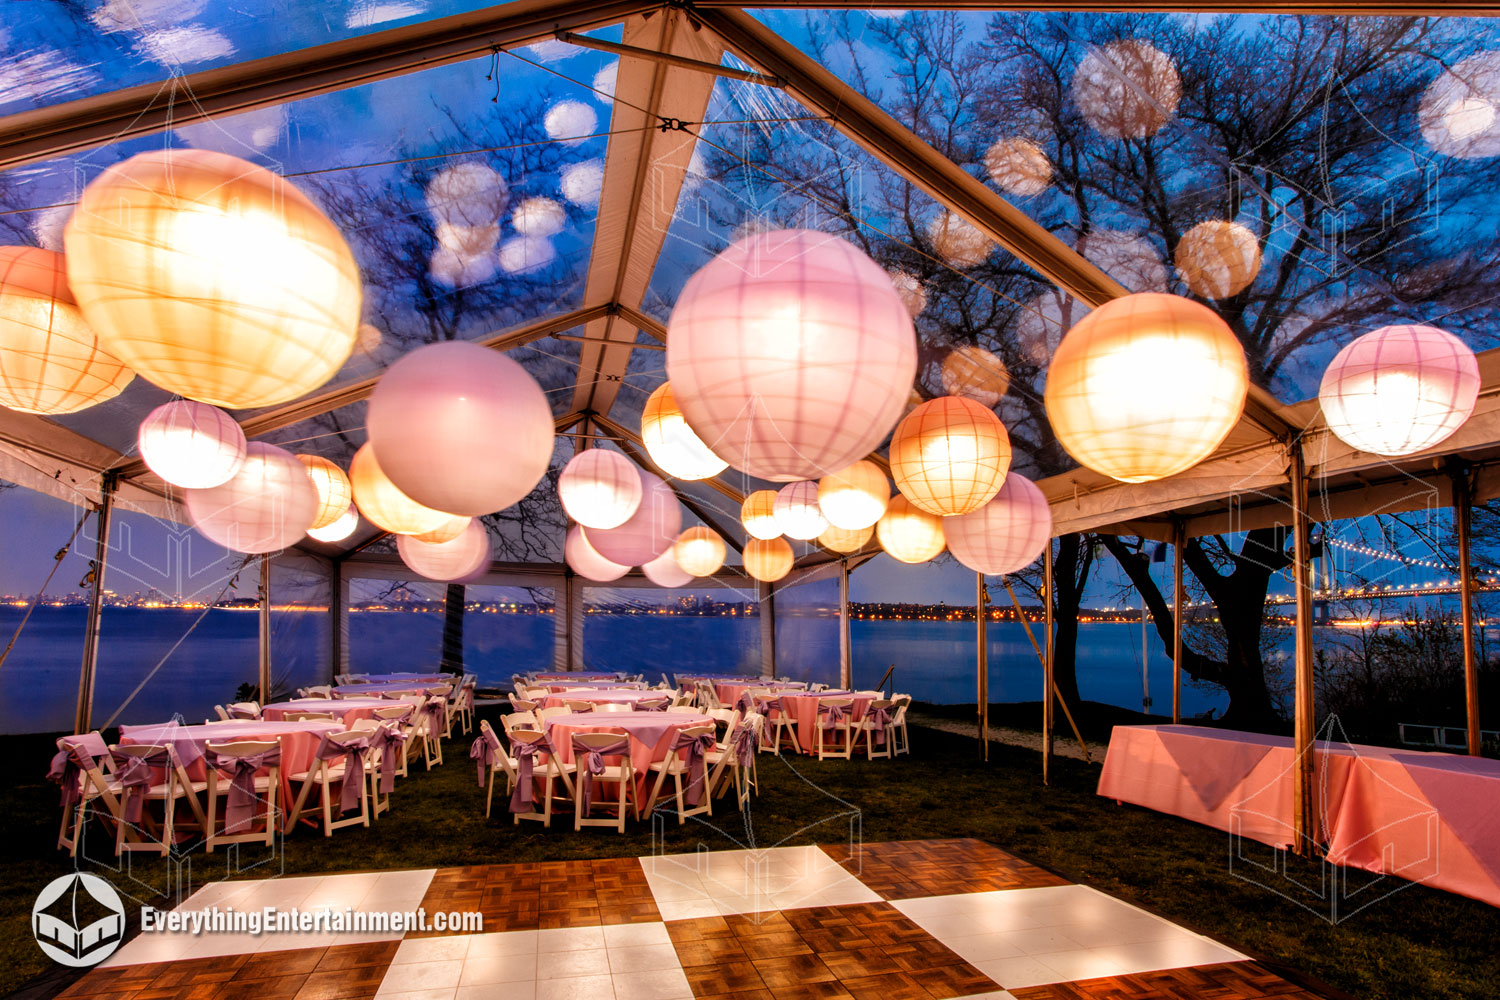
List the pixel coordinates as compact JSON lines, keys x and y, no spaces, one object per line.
{"x":1063,"y":745}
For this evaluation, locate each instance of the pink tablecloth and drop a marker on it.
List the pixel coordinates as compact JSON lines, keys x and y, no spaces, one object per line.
{"x":651,"y":733}
{"x":597,"y":696}
{"x":558,"y":687}
{"x":804,"y":708}
{"x":391,"y":689}
{"x":577,"y":677}
{"x":346,"y":710}
{"x":403,"y":676}
{"x":729,"y":692}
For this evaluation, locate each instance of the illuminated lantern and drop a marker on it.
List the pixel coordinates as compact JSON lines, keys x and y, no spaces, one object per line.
{"x":582,"y":183}
{"x":445,"y":532}
{"x":570,"y":122}
{"x":467,"y":195}
{"x":1127,"y":89}
{"x":909,"y":287}
{"x":192,"y":445}
{"x":671,"y":443}
{"x":950,"y":456}
{"x":909,"y":533}
{"x":339,"y":530}
{"x":758,"y":514}
{"x":1218,"y":259}
{"x":50,"y":361}
{"x":790,"y":354}
{"x":1460,"y":110}
{"x":461,"y":428}
{"x":525,"y":254}
{"x":845,"y":539}
{"x":699,"y":551}
{"x":334,"y":492}
{"x":457,"y":560}
{"x":1399,"y":389}
{"x":974,"y":373}
{"x":1146,"y":386}
{"x":1019,"y":166}
{"x":267,"y":505}
{"x":384,"y":505}
{"x":588,"y":563}
{"x":464,"y":243}
{"x":796,"y":510}
{"x":768,"y":559}
{"x":855,"y":497}
{"x":539,"y":217}
{"x":958,"y":241}
{"x":213,"y":277}
{"x":599,"y":488}
{"x":648,"y":532}
{"x":664,"y":571}
{"x":1004,"y":535}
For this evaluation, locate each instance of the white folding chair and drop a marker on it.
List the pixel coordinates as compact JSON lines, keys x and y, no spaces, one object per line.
{"x":876,"y":729}
{"x":135,"y":771}
{"x":696,"y":741}
{"x":835,"y":718}
{"x":587,"y":777}
{"x":900,"y":738}
{"x":77,"y":771}
{"x":500,"y":762}
{"x":244,"y":760}
{"x":399,"y":716}
{"x":544,"y":767}
{"x":333,"y":769}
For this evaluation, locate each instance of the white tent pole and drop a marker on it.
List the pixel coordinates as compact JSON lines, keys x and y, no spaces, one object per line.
{"x":1304,"y":720}
{"x":846,"y":649}
{"x":82,"y":720}
{"x":264,"y":671}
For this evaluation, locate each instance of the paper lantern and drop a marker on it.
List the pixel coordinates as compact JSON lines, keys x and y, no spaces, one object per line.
{"x":950,"y":456}
{"x":334,"y":492}
{"x":758,"y":514}
{"x":192,"y":445}
{"x":1460,"y":110}
{"x":699,"y":551}
{"x":446,"y":532}
{"x":664,"y":571}
{"x":1218,"y":259}
{"x":599,"y":488}
{"x":458,"y":270}
{"x":1127,"y":89}
{"x":384,"y":505}
{"x":339,"y":530}
{"x":909,"y":533}
{"x":466,"y":242}
{"x":855,"y":497}
{"x":570,"y":122}
{"x":581,"y":183}
{"x":1019,"y":166}
{"x":790,"y":354}
{"x":767,"y":559}
{"x":1004,"y":535}
{"x":1146,"y":386}
{"x":1399,"y":389}
{"x":845,"y":539}
{"x":539,"y":217}
{"x":909,"y":287}
{"x":267,"y":505}
{"x":213,"y":277}
{"x":461,"y":428}
{"x":468,"y":195}
{"x":457,"y":560}
{"x":796,"y":510}
{"x":958,"y":241}
{"x":671,"y":443}
{"x":588,"y":563}
{"x":1129,"y":258}
{"x":974,"y":373}
{"x":50,"y":361}
{"x":648,"y":532}
{"x":525,"y":254}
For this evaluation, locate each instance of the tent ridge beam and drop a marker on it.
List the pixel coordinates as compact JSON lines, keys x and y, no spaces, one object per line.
{"x":681,"y":62}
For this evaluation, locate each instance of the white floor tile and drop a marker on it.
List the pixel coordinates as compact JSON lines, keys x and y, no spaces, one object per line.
{"x":492,"y":969}
{"x":688,"y":909}
{"x":571,"y":964}
{"x":1014,"y":973}
{"x":437,"y":993}
{"x":974,"y":948}
{"x":642,"y":958}
{"x":432,"y":949}
{"x":569,"y":939}
{"x":421,"y":976}
{"x":513,"y":991}
{"x":502,"y":943}
{"x":632,"y":935}
{"x":661,"y":984}
{"x":577,"y":988}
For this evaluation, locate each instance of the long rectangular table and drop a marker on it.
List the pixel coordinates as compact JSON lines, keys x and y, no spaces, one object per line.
{"x":1421,"y":815}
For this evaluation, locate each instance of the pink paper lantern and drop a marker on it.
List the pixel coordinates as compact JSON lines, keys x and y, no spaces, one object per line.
{"x":797,"y":511}
{"x":599,"y":488}
{"x":192,"y":445}
{"x":267,"y":505}
{"x":461,"y":428}
{"x":587,"y":562}
{"x":457,"y":560}
{"x":791,"y":354}
{"x":650,"y":531}
{"x":665,"y":572}
{"x":1004,"y":535}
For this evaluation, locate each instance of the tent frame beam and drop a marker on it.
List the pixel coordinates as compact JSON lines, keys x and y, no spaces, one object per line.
{"x":89,"y":668}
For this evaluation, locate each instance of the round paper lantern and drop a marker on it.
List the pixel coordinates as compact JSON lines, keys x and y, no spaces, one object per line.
{"x":587,"y":562}
{"x":539,"y":217}
{"x":1004,"y":535}
{"x":267,"y":505}
{"x":758,"y":514}
{"x":384,"y":505}
{"x":461,"y":428}
{"x":796,"y":510}
{"x":845,"y":539}
{"x":664,"y":571}
{"x":1019,"y":166}
{"x":599,"y":488}
{"x":50,"y":361}
{"x":790,"y":354}
{"x":671,"y":443}
{"x":582,"y":183}
{"x":455,"y":526}
{"x":909,"y":533}
{"x":525,"y":254}
{"x":457,"y":560}
{"x":1460,"y":111}
{"x":909,"y":287}
{"x":1399,"y":389}
{"x":192,"y":445}
{"x":1218,"y":259}
{"x":768,"y":559}
{"x":1127,"y":89}
{"x":334,"y":492}
{"x":974,"y":373}
{"x":213,"y":278}
{"x":465,"y":243}
{"x":958,"y":241}
{"x":648,"y":533}
{"x":469,"y":195}
{"x":1146,"y":386}
{"x":699,"y":551}
{"x":339,"y":530}
{"x":950,"y":455}
{"x":855,"y":497}
{"x":570,"y":122}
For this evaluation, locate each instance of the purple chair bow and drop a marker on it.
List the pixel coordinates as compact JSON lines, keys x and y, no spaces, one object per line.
{"x":391,"y":742}
{"x":525,"y":753}
{"x":241,"y":805}
{"x":235,"y":712}
{"x":834,"y":714}
{"x":482,"y":753}
{"x":697,"y":747}
{"x":67,"y":770}
{"x":593,"y":763}
{"x":137,"y":773}
{"x":652,"y":704}
{"x":437,"y":718}
{"x":745,"y":703}
{"x":880,"y":720}
{"x":352,"y":753}
{"x":742,"y":744}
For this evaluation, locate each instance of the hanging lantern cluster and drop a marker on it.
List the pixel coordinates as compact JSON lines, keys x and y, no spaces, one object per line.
{"x":950,"y":456}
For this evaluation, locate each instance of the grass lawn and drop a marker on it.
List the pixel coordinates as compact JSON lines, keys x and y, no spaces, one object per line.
{"x":1417,"y":943}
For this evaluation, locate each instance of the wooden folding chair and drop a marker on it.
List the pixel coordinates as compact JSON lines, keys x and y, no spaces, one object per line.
{"x":257,"y":754}
{"x":132,"y":760}
{"x":332,"y":767}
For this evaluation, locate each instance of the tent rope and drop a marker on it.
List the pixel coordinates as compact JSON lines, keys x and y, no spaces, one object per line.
{"x":57,"y":562}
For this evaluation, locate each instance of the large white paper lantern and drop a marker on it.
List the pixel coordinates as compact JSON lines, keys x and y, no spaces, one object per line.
{"x":461,"y":428}
{"x":1019,"y":166}
{"x":384,"y":505}
{"x":758,"y":514}
{"x":581,"y":183}
{"x":339,"y":530}
{"x":1146,"y":386}
{"x":1218,"y":259}
{"x":570,"y":122}
{"x":599,"y":488}
{"x":467,"y":195}
{"x":539,"y":217}
{"x":909,"y":533}
{"x":845,"y":539}
{"x":768,"y":559}
{"x":671,"y":443}
{"x":648,"y":532}
{"x":1460,"y":110}
{"x":267,"y":505}
{"x":974,"y":373}
{"x":192,"y":445}
{"x":1127,"y":89}
{"x":797,"y":513}
{"x":699,"y":551}
{"x":587,"y":562}
{"x":911,"y":290}
{"x":457,"y":560}
{"x":51,"y":362}
{"x":950,"y":455}
{"x":790,"y":354}
{"x":958,"y":241}
{"x":334,"y":492}
{"x":1399,"y":389}
{"x":1004,"y":535}
{"x":213,"y":277}
{"x":855,"y":497}
{"x":664,"y":571}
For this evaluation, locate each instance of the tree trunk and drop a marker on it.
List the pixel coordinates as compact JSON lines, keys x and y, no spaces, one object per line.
{"x":1075,"y":556}
{"x":453,"y":630}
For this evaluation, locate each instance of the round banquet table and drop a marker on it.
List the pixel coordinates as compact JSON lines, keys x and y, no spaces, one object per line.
{"x":559,"y":686}
{"x":729,"y":693}
{"x":390,"y":689}
{"x":345,"y":710}
{"x":598,"y":696}
{"x":588,"y":676}
{"x":804,"y":709}
{"x":651,"y":733}
{"x":405,"y":676}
